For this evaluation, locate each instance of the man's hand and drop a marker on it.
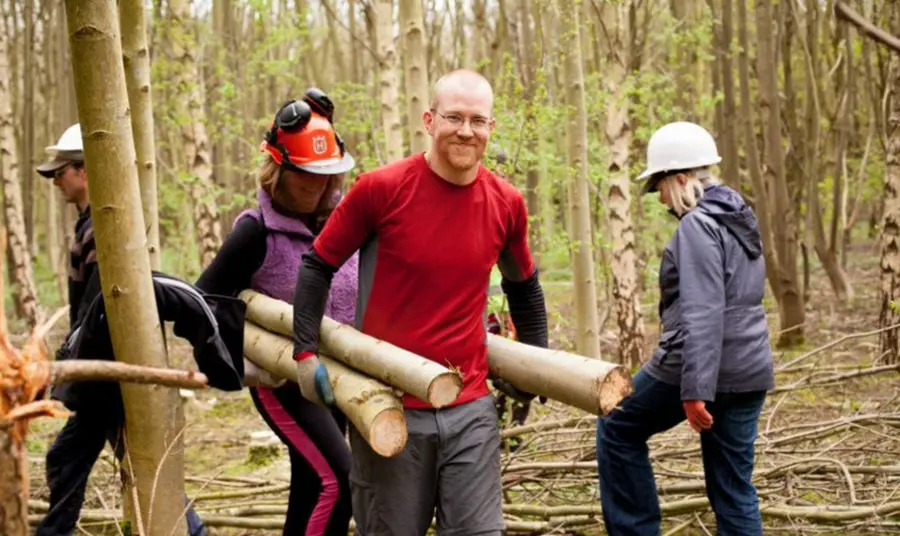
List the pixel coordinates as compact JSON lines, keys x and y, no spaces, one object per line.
{"x":507,"y":388}
{"x":697,"y":416}
{"x":312,"y":377}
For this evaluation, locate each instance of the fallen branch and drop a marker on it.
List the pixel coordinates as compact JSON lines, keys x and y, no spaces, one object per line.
{"x":835,"y":379}
{"x":96,"y":370}
{"x":545,"y":425}
{"x":834,"y":343}
{"x":846,"y":13}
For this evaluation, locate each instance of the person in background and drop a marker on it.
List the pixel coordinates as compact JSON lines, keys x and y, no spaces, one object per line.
{"x":299,"y":186}
{"x":713,"y":365}
{"x":98,"y":410}
{"x":429,"y":228}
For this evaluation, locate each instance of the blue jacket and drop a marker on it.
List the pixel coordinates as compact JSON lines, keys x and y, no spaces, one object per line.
{"x":712,"y":278}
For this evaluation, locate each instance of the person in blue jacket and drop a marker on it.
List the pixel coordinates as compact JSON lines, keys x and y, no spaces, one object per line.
{"x":713,"y":365}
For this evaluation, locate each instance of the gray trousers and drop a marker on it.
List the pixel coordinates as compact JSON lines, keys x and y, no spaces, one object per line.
{"x":451,"y":464}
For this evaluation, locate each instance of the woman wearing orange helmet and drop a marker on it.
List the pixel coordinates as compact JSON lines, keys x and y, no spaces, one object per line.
{"x":299,"y":186}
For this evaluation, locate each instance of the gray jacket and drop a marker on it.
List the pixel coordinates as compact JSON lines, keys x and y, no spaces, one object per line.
{"x":714,"y":336}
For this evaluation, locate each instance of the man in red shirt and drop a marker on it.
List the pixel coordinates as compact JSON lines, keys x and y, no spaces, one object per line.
{"x":429,"y":229}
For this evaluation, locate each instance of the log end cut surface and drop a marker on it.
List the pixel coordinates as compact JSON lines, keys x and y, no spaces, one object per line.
{"x":615,"y":386}
{"x":444,"y":389}
{"x":388,"y":432}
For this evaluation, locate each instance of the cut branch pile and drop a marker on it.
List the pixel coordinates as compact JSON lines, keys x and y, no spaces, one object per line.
{"x":827,"y":460}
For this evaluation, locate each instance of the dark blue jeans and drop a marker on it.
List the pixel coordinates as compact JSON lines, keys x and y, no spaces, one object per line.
{"x":69,"y":463}
{"x":627,"y":486}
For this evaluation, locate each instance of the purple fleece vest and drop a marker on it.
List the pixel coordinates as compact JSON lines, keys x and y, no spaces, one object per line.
{"x":286,"y":240}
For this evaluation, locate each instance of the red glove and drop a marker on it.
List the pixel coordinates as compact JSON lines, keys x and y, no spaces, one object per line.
{"x":697,"y":416}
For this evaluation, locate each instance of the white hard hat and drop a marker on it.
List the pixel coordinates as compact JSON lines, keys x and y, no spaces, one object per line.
{"x":678,"y":146}
{"x":68,"y":149}
{"x":69,"y":142}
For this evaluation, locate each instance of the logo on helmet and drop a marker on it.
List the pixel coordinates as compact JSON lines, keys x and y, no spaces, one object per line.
{"x":319,"y":145}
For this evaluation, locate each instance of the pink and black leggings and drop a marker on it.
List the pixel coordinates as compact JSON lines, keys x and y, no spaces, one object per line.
{"x":319,"y":500}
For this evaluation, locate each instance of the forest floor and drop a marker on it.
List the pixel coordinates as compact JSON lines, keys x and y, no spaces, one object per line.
{"x":828,"y":453}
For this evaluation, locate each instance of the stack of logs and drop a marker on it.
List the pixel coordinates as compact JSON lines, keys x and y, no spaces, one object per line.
{"x":368,"y":376}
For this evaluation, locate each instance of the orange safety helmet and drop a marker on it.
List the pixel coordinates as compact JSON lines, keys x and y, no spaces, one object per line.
{"x":302,"y":137}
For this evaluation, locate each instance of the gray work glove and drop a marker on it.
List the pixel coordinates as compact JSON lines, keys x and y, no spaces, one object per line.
{"x":312,"y":377}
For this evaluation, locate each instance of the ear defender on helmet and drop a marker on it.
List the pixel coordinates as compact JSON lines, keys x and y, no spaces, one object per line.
{"x":302,"y":137}
{"x":319,"y":101}
{"x":293,"y":116}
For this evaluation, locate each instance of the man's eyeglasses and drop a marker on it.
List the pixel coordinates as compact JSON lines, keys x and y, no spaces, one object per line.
{"x":478,"y":122}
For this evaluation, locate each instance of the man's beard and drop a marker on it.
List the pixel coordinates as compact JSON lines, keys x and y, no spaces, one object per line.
{"x":463,"y":159}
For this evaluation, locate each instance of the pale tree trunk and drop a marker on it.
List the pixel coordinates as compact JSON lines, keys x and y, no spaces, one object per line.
{"x":890,"y":224}
{"x":387,"y":81}
{"x":355,"y":55}
{"x":68,"y":114}
{"x":793,"y":314}
{"x":132,"y":20}
{"x":313,"y":71}
{"x":51,"y":94}
{"x":413,"y":34}
{"x":28,"y":183}
{"x":198,"y":160}
{"x":626,"y":291}
{"x":20,"y":272}
{"x":338,"y":68}
{"x":153,"y":421}
{"x":587,"y":319}
{"x":530,"y":48}
{"x":494,"y":48}
{"x":478,"y":44}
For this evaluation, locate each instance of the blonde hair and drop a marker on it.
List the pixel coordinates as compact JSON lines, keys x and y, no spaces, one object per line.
{"x":268,"y":177}
{"x":686,"y":198}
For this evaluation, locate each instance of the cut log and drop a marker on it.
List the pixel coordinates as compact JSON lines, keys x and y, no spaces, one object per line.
{"x":371,"y":406}
{"x":422,"y":378}
{"x":593,"y":385}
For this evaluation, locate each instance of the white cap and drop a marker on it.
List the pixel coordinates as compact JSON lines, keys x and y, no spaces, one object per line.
{"x":69,"y":142}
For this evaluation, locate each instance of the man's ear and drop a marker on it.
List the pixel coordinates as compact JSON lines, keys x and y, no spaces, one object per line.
{"x":428,"y":120}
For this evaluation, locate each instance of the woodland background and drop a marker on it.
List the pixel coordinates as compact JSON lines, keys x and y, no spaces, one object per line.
{"x":806,"y":111}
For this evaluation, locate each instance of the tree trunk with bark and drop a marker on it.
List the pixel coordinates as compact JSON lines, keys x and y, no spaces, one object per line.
{"x":153,"y":421}
{"x":412,"y":30}
{"x":20,"y":270}
{"x":192,"y":120}
{"x":626,"y":292}
{"x":587,"y":318}
{"x":387,"y":81}
{"x":890,"y":225}
{"x":136,"y":53}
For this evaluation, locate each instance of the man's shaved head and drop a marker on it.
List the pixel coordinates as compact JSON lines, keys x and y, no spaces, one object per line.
{"x":465,"y":82}
{"x":460,"y":122}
